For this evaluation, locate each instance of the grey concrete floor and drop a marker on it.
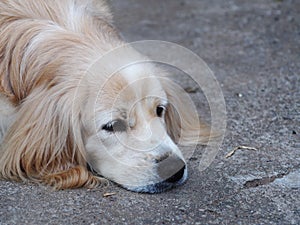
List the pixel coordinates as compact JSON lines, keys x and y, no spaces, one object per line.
{"x":253,"y":47}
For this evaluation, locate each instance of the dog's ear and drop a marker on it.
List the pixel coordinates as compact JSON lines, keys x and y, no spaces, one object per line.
{"x":182,"y":120}
{"x":45,"y":144}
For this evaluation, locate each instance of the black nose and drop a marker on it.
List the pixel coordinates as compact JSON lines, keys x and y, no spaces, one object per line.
{"x":171,"y":169}
{"x":177,"y":176}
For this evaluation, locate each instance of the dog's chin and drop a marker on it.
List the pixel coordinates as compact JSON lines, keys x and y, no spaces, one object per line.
{"x":157,"y":187}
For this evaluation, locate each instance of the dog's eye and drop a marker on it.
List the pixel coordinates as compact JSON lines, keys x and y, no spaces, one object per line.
{"x":160,"y":110}
{"x":115,"y":126}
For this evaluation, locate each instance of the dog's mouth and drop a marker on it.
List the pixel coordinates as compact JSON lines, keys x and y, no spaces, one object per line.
{"x":161,"y":174}
{"x":179,"y":178}
{"x":175,"y":180}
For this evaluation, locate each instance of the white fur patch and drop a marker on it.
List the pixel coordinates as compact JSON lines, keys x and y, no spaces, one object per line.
{"x":134,"y":72}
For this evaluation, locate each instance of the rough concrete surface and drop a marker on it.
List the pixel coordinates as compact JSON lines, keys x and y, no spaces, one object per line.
{"x":253,"y":47}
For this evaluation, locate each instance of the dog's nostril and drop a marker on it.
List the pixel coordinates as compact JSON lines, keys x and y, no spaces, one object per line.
{"x":177,"y":176}
{"x":171,"y":169}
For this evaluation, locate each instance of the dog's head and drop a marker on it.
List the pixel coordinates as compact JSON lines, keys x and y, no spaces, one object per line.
{"x":137,"y":119}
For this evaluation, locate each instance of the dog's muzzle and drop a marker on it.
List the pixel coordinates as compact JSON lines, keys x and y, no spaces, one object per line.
{"x":172,"y":172}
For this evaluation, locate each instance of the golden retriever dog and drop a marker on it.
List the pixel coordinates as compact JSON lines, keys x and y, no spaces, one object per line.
{"x":58,"y":129}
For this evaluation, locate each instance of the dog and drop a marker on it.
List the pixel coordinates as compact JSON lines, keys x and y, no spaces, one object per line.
{"x":58,"y":129}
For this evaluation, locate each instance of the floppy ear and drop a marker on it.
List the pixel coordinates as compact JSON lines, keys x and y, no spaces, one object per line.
{"x":182,"y":120}
{"x":45,"y":144}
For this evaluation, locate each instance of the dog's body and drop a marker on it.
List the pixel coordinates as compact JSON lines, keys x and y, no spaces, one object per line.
{"x":52,"y":124}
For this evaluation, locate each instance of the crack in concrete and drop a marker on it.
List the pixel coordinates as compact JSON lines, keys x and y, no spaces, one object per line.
{"x":263,"y":181}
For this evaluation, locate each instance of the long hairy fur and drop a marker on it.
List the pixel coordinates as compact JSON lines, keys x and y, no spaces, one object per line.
{"x":40,"y":71}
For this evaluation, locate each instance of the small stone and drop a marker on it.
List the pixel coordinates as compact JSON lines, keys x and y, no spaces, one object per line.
{"x":240,"y":95}
{"x":182,"y":209}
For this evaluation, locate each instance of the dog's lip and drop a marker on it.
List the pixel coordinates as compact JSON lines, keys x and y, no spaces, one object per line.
{"x":157,"y":187}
